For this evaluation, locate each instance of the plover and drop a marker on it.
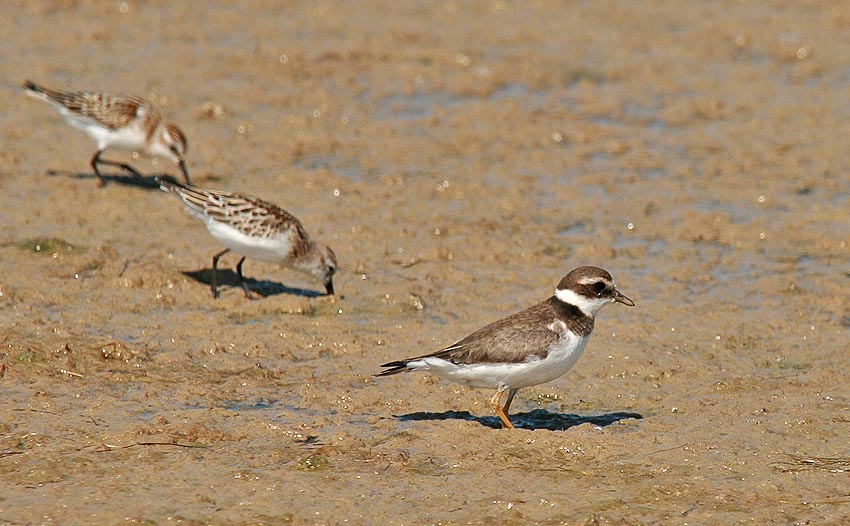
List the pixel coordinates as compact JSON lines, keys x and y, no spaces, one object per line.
{"x":257,"y":229}
{"x":530,"y":347}
{"x":119,"y":122}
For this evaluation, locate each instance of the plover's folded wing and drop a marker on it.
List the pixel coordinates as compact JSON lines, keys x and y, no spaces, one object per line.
{"x":513,"y":339}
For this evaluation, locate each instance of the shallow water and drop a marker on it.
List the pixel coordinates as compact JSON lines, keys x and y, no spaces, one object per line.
{"x":459,"y":159}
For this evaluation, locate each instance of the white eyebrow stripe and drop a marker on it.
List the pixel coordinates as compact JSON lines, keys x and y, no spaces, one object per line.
{"x":589,"y":280}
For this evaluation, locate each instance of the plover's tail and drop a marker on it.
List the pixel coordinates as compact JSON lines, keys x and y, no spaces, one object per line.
{"x":394,"y":368}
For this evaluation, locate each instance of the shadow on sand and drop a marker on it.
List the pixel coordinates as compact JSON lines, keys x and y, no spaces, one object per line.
{"x":536,"y":419}
{"x":229,"y":278}
{"x":145,"y":182}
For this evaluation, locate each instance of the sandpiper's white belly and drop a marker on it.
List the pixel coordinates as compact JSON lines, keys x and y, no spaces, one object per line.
{"x":271,"y":249}
{"x":130,"y":137}
{"x":126,"y":138}
{"x":534,"y":371}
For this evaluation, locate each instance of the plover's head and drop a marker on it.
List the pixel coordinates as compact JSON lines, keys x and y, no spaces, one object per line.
{"x":325,"y":267}
{"x":590,"y":289}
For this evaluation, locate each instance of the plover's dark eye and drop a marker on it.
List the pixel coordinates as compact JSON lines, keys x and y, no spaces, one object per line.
{"x":599,"y":287}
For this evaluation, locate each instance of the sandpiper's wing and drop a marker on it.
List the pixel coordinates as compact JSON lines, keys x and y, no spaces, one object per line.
{"x":106,"y":109}
{"x":251,"y":215}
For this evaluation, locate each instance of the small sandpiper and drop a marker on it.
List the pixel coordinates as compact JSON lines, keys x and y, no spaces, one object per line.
{"x":119,"y":122}
{"x":530,"y":347}
{"x":257,"y":229}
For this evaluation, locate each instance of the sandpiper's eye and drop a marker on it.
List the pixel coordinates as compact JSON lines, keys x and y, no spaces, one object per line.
{"x":599,"y":287}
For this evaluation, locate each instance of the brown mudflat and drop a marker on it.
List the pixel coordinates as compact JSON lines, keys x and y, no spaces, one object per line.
{"x":459,"y":158}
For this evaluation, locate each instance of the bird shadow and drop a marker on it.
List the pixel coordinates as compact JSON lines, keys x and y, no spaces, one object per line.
{"x":265,"y":288}
{"x":145,"y":182}
{"x":536,"y":419}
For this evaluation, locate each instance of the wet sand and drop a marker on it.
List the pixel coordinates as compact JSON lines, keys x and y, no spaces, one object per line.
{"x":459,"y":158}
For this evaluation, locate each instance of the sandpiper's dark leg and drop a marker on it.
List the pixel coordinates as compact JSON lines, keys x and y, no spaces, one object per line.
{"x":215,"y":271}
{"x":497,"y":406}
{"x":242,"y":279}
{"x":185,"y":171}
{"x":96,"y":160}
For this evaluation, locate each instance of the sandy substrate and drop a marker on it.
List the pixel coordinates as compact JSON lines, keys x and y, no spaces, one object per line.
{"x":459,"y":158}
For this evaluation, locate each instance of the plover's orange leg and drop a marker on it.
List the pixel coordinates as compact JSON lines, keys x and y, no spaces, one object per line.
{"x":506,"y":408}
{"x":495,"y":402}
